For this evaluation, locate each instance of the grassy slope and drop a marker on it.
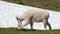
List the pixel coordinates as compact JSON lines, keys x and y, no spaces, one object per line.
{"x":14,"y":31}
{"x":46,"y":4}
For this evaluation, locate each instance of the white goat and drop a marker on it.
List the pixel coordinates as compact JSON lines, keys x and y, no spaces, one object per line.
{"x":31,"y":16}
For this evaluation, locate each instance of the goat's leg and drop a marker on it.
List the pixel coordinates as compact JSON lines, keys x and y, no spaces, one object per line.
{"x":19,"y":25}
{"x":31,"y":24}
{"x":44,"y":22}
{"x":23,"y":25}
{"x":26,"y":23}
{"x":49,"y":26}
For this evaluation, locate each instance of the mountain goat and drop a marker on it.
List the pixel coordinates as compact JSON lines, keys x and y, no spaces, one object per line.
{"x":31,"y":16}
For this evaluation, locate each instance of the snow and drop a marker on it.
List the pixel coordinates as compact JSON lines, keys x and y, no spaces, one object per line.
{"x":9,"y":11}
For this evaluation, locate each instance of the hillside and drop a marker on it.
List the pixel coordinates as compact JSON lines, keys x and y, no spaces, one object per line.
{"x":46,"y":4}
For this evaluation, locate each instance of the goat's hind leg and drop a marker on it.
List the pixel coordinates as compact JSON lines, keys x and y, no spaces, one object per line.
{"x":44,"y":22}
{"x":49,"y":26}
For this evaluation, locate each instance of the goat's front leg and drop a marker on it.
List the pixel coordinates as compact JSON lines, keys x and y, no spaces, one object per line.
{"x":19,"y":25}
{"x":26,"y":23}
{"x":31,"y":24}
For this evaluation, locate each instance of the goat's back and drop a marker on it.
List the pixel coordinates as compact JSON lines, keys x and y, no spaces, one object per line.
{"x":38,"y":15}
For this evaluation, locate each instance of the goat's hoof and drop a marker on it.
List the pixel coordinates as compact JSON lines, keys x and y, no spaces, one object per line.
{"x":32,"y":30}
{"x":19,"y":29}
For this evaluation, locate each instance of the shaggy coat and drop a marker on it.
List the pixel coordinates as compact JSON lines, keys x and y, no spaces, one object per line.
{"x":31,"y":16}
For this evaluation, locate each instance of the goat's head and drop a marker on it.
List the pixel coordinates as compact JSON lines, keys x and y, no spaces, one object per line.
{"x":19,"y":19}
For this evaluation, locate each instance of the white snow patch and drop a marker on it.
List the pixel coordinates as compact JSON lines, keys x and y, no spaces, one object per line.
{"x":9,"y":11}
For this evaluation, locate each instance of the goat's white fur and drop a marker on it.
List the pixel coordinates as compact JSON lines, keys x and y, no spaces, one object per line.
{"x":31,"y":16}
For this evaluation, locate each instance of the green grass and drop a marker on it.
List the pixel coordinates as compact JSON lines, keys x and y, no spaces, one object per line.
{"x":14,"y":31}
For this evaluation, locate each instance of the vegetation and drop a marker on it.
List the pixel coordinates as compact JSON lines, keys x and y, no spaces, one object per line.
{"x":46,"y":4}
{"x":14,"y":31}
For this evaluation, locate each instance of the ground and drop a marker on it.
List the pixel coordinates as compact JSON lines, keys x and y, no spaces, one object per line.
{"x":14,"y":31}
